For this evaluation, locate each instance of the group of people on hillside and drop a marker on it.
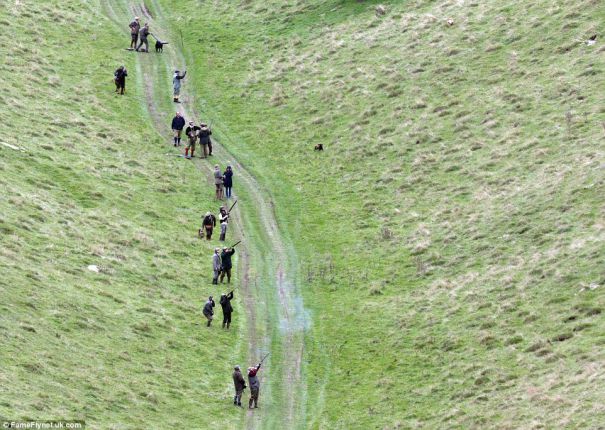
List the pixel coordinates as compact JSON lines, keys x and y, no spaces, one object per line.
{"x":223,"y":180}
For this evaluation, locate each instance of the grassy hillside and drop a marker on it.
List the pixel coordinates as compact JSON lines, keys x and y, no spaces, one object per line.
{"x":103,"y":277}
{"x":451,"y":234}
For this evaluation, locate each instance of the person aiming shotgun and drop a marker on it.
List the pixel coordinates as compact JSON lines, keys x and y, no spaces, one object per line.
{"x":224,"y":220}
{"x":254,"y":383}
{"x":226,"y":262}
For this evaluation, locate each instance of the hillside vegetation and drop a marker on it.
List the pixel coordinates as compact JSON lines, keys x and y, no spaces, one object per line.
{"x":103,"y":277}
{"x":451,"y":234}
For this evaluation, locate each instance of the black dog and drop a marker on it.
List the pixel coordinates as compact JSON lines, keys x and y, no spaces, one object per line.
{"x":159,"y":46}
{"x":319,"y":147}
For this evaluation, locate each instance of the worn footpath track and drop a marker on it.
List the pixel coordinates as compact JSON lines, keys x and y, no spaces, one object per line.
{"x":267,"y":262}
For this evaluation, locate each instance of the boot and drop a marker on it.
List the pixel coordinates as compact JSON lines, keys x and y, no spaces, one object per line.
{"x":223,"y":325}
{"x":186,"y":152}
{"x":208,"y":325}
{"x":175,"y":142}
{"x":228,"y":324}
{"x":250,"y":404}
{"x":178,"y":141}
{"x":235,"y":400}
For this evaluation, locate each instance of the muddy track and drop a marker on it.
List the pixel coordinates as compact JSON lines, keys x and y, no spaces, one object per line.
{"x":278,"y":296}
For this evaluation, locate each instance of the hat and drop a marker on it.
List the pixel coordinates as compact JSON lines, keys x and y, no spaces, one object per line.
{"x":210,"y":298}
{"x":203,"y":124}
{"x":176,"y":71}
{"x":136,"y":18}
{"x":225,"y":248}
{"x":236,"y":367}
{"x":223,"y":295}
{"x":190,"y":122}
{"x":217,"y":249}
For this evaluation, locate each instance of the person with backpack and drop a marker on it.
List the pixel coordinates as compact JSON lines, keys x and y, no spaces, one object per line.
{"x":216,"y":265}
{"x":178,"y":123}
{"x":225,"y":302}
{"x":208,"y":310}
{"x":120,"y":79}
{"x":176,"y":85}
{"x":228,"y":181}
{"x":208,"y":224}
{"x":205,"y":140}
{"x":192,"y":133}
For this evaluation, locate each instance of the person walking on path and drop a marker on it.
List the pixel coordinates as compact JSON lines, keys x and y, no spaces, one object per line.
{"x":225,"y":302}
{"x":228,"y":181}
{"x":223,"y":217}
{"x":208,"y":310}
{"x":135,"y":26}
{"x":208,"y":224}
{"x":226,"y":264}
{"x":176,"y":85}
{"x":205,"y":140}
{"x":218,"y":182}
{"x":178,"y":123}
{"x":143,"y":34}
{"x":254,"y":384}
{"x":120,"y":79}
{"x":191,"y":132}
{"x":216,"y":266}
{"x":240,"y":384}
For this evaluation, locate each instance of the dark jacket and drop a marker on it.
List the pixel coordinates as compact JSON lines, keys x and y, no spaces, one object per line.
{"x":238,"y":380}
{"x":193,"y":129}
{"x":208,"y":308}
{"x":205,"y":135}
{"x":228,"y":178}
{"x":134,"y":27}
{"x":226,"y":303}
{"x":143,"y":33}
{"x":209,"y":220}
{"x":226,"y":258}
{"x":178,"y":122}
{"x":120,"y":75}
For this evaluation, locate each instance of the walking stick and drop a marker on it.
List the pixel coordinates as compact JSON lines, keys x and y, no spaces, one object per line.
{"x":232,"y":206}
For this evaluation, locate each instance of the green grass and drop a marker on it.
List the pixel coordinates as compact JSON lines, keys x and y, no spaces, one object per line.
{"x":124,"y":347}
{"x":449,"y":234}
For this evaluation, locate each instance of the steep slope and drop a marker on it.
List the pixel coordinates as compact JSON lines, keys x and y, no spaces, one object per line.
{"x":451,"y":235}
{"x":103,"y":276}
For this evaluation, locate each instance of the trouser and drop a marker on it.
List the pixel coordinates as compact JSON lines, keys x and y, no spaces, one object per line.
{"x":223,"y":231}
{"x":134,"y":37}
{"x":253,"y":397}
{"x":227,"y":272}
{"x":208,"y":229}
{"x":120,"y":87}
{"x":177,"y":136}
{"x":204,"y":150}
{"x":226,"y":319}
{"x":190,"y":146}
{"x":215,"y":276}
{"x":209,"y":318}
{"x":209,"y":147}
{"x":219,"y":191}
{"x":228,"y":192}
{"x":237,"y":399}
{"x":143,"y":41}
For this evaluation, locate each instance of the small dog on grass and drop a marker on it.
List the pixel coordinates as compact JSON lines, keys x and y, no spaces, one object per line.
{"x":319,"y":147}
{"x":159,"y":46}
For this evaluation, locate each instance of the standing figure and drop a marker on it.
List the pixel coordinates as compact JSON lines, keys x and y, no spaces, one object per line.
{"x":120,"y":79}
{"x":216,"y":265}
{"x":254,"y":385}
{"x":240,"y":384}
{"x":208,"y":311}
{"x":191,"y":132}
{"x":208,"y":224}
{"x":178,"y":122}
{"x":135,"y":26}
{"x":226,"y":264}
{"x":227,"y":308}
{"x":176,"y":85}
{"x":143,"y":33}
{"x":205,"y":140}
{"x":218,"y":182}
{"x":223,"y":218}
{"x":228,"y":181}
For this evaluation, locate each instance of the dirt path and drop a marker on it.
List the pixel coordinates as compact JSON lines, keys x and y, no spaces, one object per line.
{"x":276,"y":294}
